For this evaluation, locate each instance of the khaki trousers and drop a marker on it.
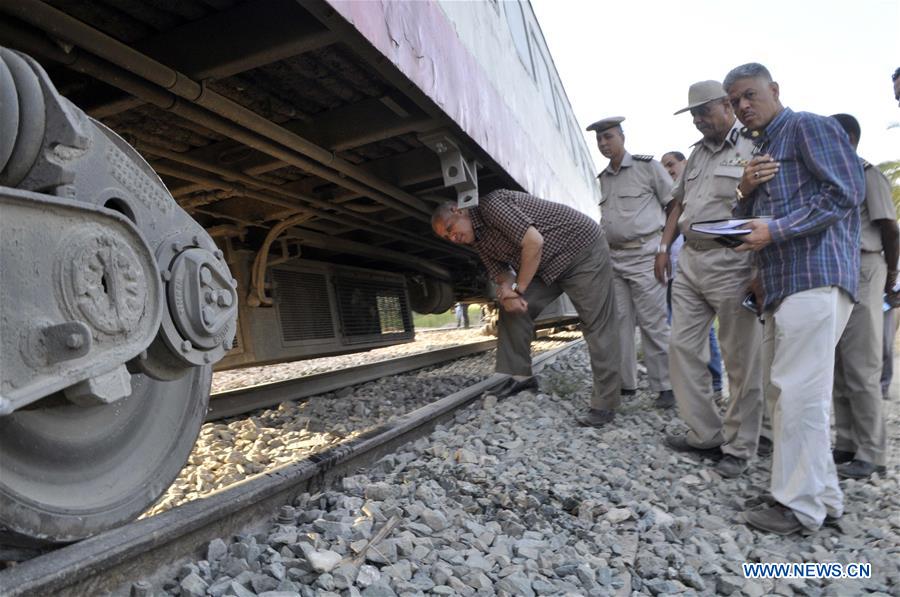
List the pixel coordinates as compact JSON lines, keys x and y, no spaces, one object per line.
{"x":710,"y":283}
{"x":858,"y":418}
{"x":641,"y":299}
{"x":798,"y":373}
{"x":588,"y":283}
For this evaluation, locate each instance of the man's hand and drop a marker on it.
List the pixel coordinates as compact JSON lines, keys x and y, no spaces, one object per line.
{"x":756,"y":288}
{"x":889,"y":282}
{"x":505,"y":291}
{"x":514,"y":304}
{"x":759,"y":238}
{"x":760,"y":169}
{"x":662,"y":267}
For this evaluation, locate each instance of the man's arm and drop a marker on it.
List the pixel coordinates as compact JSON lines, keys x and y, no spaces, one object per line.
{"x":663,"y":265}
{"x":827,"y":153}
{"x":532,"y":246}
{"x":662,"y":183}
{"x":890,"y":242}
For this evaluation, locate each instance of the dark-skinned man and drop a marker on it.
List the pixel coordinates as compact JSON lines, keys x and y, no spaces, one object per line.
{"x":861,"y":444}
{"x":808,"y":179}
{"x":712,"y":280}
{"x":534,"y":250}
{"x":635,"y":190}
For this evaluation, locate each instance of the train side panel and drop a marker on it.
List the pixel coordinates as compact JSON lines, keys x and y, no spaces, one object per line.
{"x":463,"y":56}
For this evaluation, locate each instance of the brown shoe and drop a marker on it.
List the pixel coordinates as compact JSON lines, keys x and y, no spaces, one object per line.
{"x":777,"y":519}
{"x":596,"y":417}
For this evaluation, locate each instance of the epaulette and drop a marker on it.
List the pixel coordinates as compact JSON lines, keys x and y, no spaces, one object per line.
{"x":641,"y":157}
{"x":866,"y":164}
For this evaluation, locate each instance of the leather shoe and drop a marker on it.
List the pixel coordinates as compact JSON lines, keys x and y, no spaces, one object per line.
{"x":627,"y":392}
{"x":841,"y":456}
{"x":731,"y":466}
{"x":777,"y":519}
{"x":666,"y":399}
{"x":765,"y":447}
{"x":679,"y":443}
{"x":859,"y":469}
{"x":513,"y":386}
{"x":596,"y":417}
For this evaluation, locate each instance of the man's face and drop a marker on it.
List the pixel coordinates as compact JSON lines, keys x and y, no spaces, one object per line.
{"x":611,"y":142}
{"x":897,"y":90}
{"x":755,"y":101}
{"x":673,"y":166}
{"x":713,"y":119}
{"x":457,"y":228}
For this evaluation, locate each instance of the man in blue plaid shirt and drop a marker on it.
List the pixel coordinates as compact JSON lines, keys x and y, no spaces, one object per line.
{"x":806,"y":176}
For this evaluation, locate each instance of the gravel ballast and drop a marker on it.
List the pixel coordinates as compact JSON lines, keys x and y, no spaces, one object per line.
{"x":515,"y":499}
{"x":231,"y":450}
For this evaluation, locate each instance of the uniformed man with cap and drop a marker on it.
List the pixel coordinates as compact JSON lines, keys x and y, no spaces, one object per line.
{"x":635,"y":191}
{"x":712,"y":280}
{"x":860,"y":446}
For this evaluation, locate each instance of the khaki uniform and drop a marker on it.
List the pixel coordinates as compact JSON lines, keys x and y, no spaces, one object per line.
{"x":633,"y":215}
{"x":858,"y":416}
{"x":713,"y":280}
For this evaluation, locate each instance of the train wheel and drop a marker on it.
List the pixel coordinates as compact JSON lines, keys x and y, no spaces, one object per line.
{"x":68,"y":471}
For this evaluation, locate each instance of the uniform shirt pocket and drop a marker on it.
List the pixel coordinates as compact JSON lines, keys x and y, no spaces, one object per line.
{"x":725,"y":181}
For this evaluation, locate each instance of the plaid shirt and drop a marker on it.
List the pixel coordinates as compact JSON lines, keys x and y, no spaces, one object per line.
{"x":814,"y":202}
{"x":501,"y":219}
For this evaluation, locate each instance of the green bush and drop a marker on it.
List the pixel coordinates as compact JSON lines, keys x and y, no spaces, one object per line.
{"x":446,"y":319}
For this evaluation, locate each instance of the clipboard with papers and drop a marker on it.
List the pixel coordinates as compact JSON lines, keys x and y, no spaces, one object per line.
{"x":727,"y":232}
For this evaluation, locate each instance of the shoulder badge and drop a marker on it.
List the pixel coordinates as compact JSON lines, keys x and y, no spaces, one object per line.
{"x":866,"y":164}
{"x":642,"y":157}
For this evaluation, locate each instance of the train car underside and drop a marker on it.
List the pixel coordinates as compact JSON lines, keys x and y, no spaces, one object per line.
{"x":299,"y":171}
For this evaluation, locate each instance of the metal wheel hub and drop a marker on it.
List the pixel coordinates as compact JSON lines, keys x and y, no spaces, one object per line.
{"x":202,"y":300}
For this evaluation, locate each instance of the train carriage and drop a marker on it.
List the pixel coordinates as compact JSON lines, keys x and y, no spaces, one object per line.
{"x":240,"y":183}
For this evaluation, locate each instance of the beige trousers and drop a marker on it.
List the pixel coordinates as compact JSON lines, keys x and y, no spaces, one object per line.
{"x":641,"y":300}
{"x":588,"y":283}
{"x":858,"y":418}
{"x":798,"y":372}
{"x":710,"y":283}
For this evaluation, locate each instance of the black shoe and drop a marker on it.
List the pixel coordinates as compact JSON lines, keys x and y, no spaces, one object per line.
{"x":513,"y":386}
{"x":679,"y":443}
{"x":596,"y":417}
{"x":765,"y":447}
{"x":666,"y":399}
{"x":627,"y":392}
{"x":731,"y":466}
{"x":859,"y":469}
{"x":841,"y":456}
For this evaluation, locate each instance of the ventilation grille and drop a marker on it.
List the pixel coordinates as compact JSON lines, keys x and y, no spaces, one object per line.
{"x":304,"y":311}
{"x":372,"y":310}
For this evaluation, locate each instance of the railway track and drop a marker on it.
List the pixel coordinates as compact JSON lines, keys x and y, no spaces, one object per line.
{"x":110,"y":562}
{"x":237,"y":402}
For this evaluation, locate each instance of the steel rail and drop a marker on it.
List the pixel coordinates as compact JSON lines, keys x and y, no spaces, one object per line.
{"x":110,"y":562}
{"x":236,"y":402}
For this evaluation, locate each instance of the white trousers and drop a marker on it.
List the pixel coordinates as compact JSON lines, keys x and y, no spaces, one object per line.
{"x":798,"y":368}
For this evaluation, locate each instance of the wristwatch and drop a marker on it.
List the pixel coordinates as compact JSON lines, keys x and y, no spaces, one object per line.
{"x":662,"y":249}
{"x":515,"y":287}
{"x":738,"y":193}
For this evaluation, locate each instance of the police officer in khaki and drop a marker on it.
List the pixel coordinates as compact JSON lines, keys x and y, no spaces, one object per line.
{"x":860,"y":445}
{"x":712,"y":280}
{"x":635,"y":191}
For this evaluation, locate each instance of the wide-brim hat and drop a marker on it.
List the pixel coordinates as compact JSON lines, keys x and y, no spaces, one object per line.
{"x":606,"y":123}
{"x":703,"y":93}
